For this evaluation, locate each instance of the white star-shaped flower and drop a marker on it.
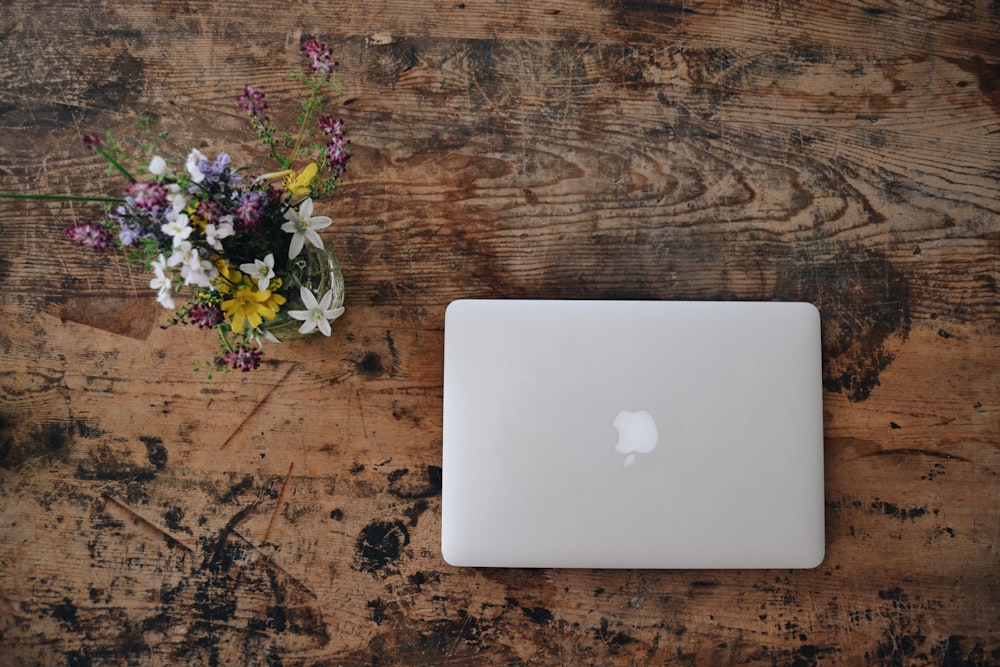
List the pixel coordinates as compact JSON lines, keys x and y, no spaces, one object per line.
{"x":317,"y":313}
{"x":303,"y":225}
{"x":262,"y":270}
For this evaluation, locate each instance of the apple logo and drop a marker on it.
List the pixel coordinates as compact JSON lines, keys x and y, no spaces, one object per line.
{"x":636,"y":434}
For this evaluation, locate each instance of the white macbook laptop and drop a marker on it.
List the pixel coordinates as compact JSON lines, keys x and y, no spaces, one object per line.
{"x":632,"y":434}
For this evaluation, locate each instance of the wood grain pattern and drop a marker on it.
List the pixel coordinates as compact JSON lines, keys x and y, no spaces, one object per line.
{"x":842,"y":153}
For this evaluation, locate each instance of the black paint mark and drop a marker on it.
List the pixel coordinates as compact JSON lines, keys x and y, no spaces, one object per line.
{"x":943,"y":333}
{"x":419,"y":579}
{"x":613,"y":639}
{"x":539,"y":615}
{"x":951,"y":653}
{"x":899,"y":644}
{"x":894,"y":426}
{"x":65,"y":611}
{"x":935,"y":471}
{"x":155,"y":451}
{"x":378,"y":611}
{"x":173,"y":516}
{"x":893,"y":594}
{"x":381,"y":543}
{"x":864,"y":303}
{"x":805,"y":655}
{"x":337,"y":514}
{"x":901,"y":513}
{"x":105,"y":465}
{"x":414,"y":512}
{"x":237,"y":490}
{"x":402,"y":485}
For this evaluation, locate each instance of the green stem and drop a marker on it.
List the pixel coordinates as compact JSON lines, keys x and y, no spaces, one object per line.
{"x":306,"y":115}
{"x":18,"y":195}
{"x":117,"y":165}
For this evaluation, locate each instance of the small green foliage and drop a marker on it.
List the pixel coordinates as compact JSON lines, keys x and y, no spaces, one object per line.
{"x":143,"y":252}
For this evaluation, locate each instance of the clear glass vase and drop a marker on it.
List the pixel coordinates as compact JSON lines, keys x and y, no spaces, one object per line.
{"x":319,"y":271}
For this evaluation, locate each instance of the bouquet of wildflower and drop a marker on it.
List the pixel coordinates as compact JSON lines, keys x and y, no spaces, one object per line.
{"x":243,"y":247}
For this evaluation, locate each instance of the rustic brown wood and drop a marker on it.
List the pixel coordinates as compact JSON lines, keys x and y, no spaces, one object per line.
{"x":843,"y":153}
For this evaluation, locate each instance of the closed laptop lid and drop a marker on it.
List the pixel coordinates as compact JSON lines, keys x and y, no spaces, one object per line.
{"x":632,"y":434}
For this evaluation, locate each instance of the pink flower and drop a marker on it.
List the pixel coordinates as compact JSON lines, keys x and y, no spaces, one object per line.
{"x":91,"y":141}
{"x":243,"y":358}
{"x":252,"y":101}
{"x":148,"y":196}
{"x":320,"y":58}
{"x":331,"y":125}
{"x":92,"y":236}
{"x":336,"y":147}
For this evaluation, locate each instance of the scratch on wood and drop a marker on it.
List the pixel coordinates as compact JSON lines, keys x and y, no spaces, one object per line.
{"x":913,"y":451}
{"x":454,"y":646}
{"x":143,"y":521}
{"x":281,"y":501}
{"x":259,"y":405}
{"x":271,"y":563}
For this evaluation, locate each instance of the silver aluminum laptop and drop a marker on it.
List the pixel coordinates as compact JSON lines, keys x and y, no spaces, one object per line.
{"x":632,"y":434}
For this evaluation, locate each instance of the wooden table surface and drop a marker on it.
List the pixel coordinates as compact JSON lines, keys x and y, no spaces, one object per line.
{"x":843,"y":153}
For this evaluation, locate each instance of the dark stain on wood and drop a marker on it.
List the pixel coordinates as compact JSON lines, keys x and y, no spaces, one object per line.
{"x":155,"y":451}
{"x":370,"y":365}
{"x":862,"y":326}
{"x":380,"y":544}
{"x":23,"y":442}
{"x":403,"y":486}
{"x":987,"y":76}
{"x":901,"y":513}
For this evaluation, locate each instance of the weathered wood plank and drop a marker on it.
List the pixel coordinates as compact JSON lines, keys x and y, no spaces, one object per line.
{"x":844,"y":154}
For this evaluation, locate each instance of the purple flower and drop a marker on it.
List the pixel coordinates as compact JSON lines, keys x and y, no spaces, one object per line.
{"x":215,"y":175}
{"x":320,"y":59}
{"x":243,"y":358}
{"x":128,"y":234}
{"x":218,"y":170}
{"x":91,"y":141}
{"x":252,"y":101}
{"x":337,"y":157}
{"x":92,"y":236}
{"x":210,"y":211}
{"x":336,"y":147}
{"x":205,"y":315}
{"x":331,"y":125}
{"x":251,"y":209}
{"x":148,"y":196}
